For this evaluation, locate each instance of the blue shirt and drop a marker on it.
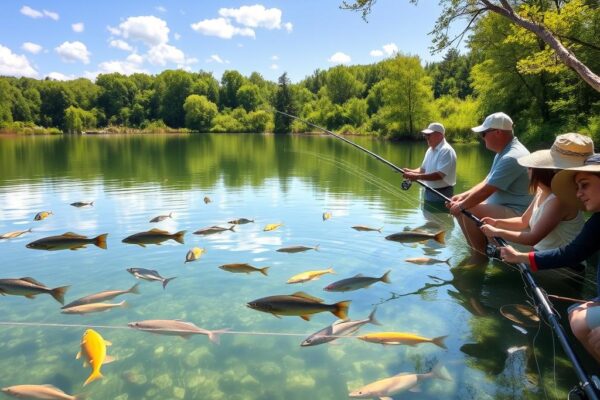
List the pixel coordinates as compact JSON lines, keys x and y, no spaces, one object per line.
{"x":510,"y":178}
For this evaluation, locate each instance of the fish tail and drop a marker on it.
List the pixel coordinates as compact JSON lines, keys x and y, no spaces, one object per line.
{"x":59,"y":293}
{"x":440,"y":237}
{"x":440,"y":372}
{"x":379,"y":230}
{"x":447,"y":261}
{"x":167,"y":281}
{"x":171,"y":215}
{"x":331,"y":271}
{"x":91,"y":203}
{"x":439,"y":341}
{"x":385,"y":277}
{"x":94,"y":375}
{"x":232,"y":228}
{"x":372,"y":319}
{"x":28,"y":230}
{"x":179,"y":236}
{"x":341,"y":309}
{"x":135,"y":289}
{"x":264,"y":270}
{"x":317,"y":247}
{"x":215,"y":336}
{"x":100,"y":241}
{"x":123,"y":304}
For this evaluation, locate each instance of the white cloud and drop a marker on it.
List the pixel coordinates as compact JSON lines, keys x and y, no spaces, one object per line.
{"x":339,"y":58}
{"x":114,"y":31}
{"x":78,"y":27}
{"x":274,"y":66}
{"x":51,"y":15}
{"x":135,"y":58}
{"x":60,"y":77}
{"x":12,"y":64}
{"x":148,"y":29}
{"x":122,"y":67}
{"x":160,"y":8}
{"x":31,"y":47}
{"x":390,"y":48}
{"x":73,"y":51}
{"x":274,"y":58}
{"x":256,"y":16}
{"x":288,"y":26}
{"x":222,"y":28}
{"x":30,"y":12}
{"x":376,"y":53}
{"x":177,"y":36}
{"x":215,"y":58}
{"x":164,"y":53}
{"x":120,"y":44}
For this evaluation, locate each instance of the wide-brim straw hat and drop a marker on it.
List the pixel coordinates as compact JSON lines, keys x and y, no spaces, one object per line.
{"x":564,"y":186}
{"x":569,"y":150}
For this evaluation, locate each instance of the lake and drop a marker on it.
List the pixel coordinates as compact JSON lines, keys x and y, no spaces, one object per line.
{"x":290,"y":180}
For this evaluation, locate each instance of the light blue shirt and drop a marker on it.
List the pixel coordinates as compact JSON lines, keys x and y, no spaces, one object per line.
{"x":510,"y":178}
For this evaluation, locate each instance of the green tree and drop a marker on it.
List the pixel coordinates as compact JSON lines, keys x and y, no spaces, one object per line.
{"x":172,"y":88}
{"x":77,"y":120}
{"x":342,"y":85}
{"x":116,"y":91}
{"x":199,"y":112}
{"x":231,"y":81}
{"x":284,"y":102}
{"x":248,"y":96}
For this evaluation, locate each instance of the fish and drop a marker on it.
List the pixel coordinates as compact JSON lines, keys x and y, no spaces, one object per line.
{"x":427,"y":261}
{"x":298,"y":304}
{"x":271,"y":227}
{"x":91,"y":308}
{"x":326,"y":215}
{"x":14,"y":234}
{"x":417,"y":237}
{"x":42,"y":215}
{"x":384,"y":389}
{"x":310,"y":275}
{"x":30,"y":288}
{"x":207,"y":200}
{"x":409,"y":339}
{"x":149,"y":275}
{"x":67,"y":240}
{"x":194,"y":254}
{"x":240,"y":221}
{"x":102,"y":296}
{"x":362,"y":228}
{"x":93,"y":348}
{"x":175,"y":328}
{"x":154,"y":236}
{"x":338,"y":328}
{"x":358,"y":281}
{"x":243,"y":268}
{"x":83,"y":203}
{"x":47,"y":392}
{"x":161,"y":217}
{"x":297,"y":249}
{"x":214,"y":229}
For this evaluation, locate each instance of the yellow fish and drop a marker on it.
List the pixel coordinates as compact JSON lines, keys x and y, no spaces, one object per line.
{"x":93,"y":347}
{"x":194,"y":254}
{"x":326,"y":215}
{"x":271,"y":227}
{"x":409,"y":339}
{"x":310,"y":275}
{"x":42,"y":215}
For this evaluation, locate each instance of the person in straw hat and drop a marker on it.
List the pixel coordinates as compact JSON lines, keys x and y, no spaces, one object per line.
{"x":578,"y":186}
{"x":548,"y":222}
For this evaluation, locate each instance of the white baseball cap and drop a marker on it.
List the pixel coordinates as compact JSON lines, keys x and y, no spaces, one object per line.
{"x":497,"y":120}
{"x":434,"y":127}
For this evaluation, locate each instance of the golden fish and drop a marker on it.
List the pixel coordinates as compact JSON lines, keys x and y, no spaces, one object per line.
{"x":409,"y":339}
{"x":93,"y":348}
{"x":243,"y":268}
{"x":427,"y":261}
{"x":194,"y":254}
{"x":326,"y":215}
{"x":310,"y":275}
{"x":299,"y":304}
{"x":417,"y":237}
{"x":42,"y":215}
{"x":271,"y":227}
{"x":153,"y":236}
{"x":14,"y":234}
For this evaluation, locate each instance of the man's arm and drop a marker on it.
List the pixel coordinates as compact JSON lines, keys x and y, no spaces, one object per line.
{"x":471,"y":198}
{"x":434,"y":176}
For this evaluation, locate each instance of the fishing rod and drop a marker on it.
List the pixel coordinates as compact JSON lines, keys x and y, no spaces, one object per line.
{"x":585,"y":385}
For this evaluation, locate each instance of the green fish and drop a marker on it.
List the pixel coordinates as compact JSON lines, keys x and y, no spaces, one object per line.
{"x":299,"y":304}
{"x":417,"y":237}
{"x":30,"y":288}
{"x":154,"y":236}
{"x":67,"y":240}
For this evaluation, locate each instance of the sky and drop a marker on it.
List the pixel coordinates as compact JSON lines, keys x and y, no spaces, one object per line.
{"x":71,"y":39}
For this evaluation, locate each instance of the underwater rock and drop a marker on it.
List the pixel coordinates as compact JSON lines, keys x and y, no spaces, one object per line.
{"x":297,"y":381}
{"x":269,"y":368}
{"x":159,"y":351}
{"x":249,"y":380}
{"x":194,"y":358}
{"x":163,"y":381}
{"x":178,"y":392}
{"x":290,"y":363}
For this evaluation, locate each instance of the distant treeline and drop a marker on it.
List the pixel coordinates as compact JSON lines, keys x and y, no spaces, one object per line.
{"x":394,"y":98}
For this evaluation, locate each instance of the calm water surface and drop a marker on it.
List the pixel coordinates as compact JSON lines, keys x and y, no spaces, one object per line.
{"x":289,"y":180}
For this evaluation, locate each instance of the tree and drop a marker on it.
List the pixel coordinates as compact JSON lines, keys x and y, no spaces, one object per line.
{"x":116,"y":91}
{"x":248,"y":96}
{"x":199,"y":112}
{"x":77,"y":120}
{"x":284,"y":102}
{"x":172,"y":88}
{"x":231,"y":81}
{"x":518,"y":12}
{"x":342,"y":85}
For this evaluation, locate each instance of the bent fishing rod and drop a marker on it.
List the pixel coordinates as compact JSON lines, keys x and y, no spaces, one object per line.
{"x":585,"y":385}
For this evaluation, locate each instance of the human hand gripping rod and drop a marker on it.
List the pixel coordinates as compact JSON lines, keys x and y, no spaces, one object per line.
{"x":587,"y":387}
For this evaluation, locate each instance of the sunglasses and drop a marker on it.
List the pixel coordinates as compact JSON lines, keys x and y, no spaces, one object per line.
{"x":486,"y":132}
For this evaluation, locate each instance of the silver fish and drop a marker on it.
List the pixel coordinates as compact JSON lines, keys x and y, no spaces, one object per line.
{"x":14,"y":234}
{"x":175,"y":328}
{"x":149,"y":275}
{"x":153,"y":236}
{"x":30,"y":288}
{"x":102,"y":296}
{"x":161,"y":217}
{"x":297,"y":249}
{"x":214,"y":229}
{"x":46,"y":392}
{"x":240,"y":221}
{"x":338,"y":328}
{"x":416,"y":236}
{"x":358,"y":281}
{"x":92,"y":308}
{"x":83,"y":204}
{"x":427,"y":261}
{"x":362,"y":228}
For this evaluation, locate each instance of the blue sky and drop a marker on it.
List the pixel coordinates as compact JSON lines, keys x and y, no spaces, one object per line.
{"x":69,"y":39}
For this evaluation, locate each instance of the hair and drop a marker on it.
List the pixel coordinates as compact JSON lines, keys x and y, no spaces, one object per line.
{"x":541,"y":176}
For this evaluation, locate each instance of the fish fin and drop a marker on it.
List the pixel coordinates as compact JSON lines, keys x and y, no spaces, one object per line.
{"x":447,"y":261}
{"x":164,"y":284}
{"x":372,"y":319}
{"x":264,"y":271}
{"x":30,"y":296}
{"x":305,"y":317}
{"x":440,"y":237}
{"x":95,"y":375}
{"x":100,"y":241}
{"x":123,"y":304}
{"x":156,"y":230}
{"x":178,"y":237}
{"x":359,"y":275}
{"x":415,"y":389}
{"x":439,"y":341}
{"x":440,"y":372}
{"x":85,"y":364}
{"x":107,"y":342}
{"x":385,"y":398}
{"x":214,"y":336}
{"x":339,"y":321}
{"x":385,"y":277}
{"x":275,"y":315}
{"x":141,"y":244}
{"x":31,"y":280}
{"x":307,"y":296}
{"x":78,"y":356}
{"x":73,"y":235}
{"x":108,"y":359}
{"x":134,"y":289}
{"x":341,"y":309}
{"x":59,"y":293}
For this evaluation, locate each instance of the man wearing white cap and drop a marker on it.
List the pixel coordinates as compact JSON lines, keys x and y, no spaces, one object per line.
{"x":504,"y":192}
{"x":438,"y":170}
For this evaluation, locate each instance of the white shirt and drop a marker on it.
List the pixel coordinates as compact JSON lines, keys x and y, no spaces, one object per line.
{"x":441,"y":158}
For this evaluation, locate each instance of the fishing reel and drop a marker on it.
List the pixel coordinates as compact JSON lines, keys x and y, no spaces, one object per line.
{"x":406,"y":184}
{"x":492,"y":251}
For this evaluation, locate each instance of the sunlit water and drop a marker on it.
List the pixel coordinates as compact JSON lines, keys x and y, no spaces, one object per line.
{"x":289,"y":180}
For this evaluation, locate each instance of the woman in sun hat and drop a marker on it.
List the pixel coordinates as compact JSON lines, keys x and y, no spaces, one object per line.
{"x":579,"y":186}
{"x":548,"y":222}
